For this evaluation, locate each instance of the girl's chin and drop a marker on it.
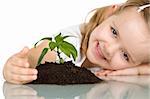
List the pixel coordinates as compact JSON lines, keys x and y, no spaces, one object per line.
{"x":95,"y":60}
{"x":98,"y":61}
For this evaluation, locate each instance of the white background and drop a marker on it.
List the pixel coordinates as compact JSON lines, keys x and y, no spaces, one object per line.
{"x":23,"y":22}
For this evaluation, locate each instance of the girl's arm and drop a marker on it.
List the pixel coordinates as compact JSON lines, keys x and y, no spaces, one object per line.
{"x":143,"y":69}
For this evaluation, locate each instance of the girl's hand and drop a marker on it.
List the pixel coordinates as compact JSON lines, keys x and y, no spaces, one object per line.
{"x":103,"y":72}
{"x":138,"y":70}
{"x":16,"y":69}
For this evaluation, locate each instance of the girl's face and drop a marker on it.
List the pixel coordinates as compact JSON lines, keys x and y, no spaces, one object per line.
{"x":120,"y":41}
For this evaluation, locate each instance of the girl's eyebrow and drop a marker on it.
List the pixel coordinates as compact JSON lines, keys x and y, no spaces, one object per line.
{"x":130,"y":58}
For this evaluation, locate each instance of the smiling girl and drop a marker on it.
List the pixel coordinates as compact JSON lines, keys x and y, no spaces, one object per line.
{"x":115,"y":39}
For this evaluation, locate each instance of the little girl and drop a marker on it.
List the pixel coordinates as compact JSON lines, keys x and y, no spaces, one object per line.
{"x":116,"y":38}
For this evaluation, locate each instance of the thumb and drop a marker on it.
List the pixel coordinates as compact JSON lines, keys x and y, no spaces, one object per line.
{"x":24,"y":52}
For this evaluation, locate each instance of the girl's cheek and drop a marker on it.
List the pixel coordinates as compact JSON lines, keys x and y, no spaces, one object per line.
{"x":118,"y":63}
{"x":107,"y":36}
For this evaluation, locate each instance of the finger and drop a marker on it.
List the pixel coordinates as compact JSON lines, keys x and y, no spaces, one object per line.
{"x":103,"y":72}
{"x":129,"y":71}
{"x":22,"y":78}
{"x":21,"y":62}
{"x":99,"y":71}
{"x":23,"y":53}
{"x":106,"y":78}
{"x":11,"y":78}
{"x":15,"y":82}
{"x":24,"y":71}
{"x":145,"y":69}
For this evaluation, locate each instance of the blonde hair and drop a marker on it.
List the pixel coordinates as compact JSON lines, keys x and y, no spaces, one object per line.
{"x":99,"y":16}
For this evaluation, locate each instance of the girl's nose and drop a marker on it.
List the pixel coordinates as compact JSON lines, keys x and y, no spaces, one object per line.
{"x":110,"y":49}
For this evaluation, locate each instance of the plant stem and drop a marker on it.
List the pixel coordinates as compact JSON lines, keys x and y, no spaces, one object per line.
{"x":58,"y":54}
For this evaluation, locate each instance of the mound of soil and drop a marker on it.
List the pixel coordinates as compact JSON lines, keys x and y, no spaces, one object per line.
{"x":62,"y":74}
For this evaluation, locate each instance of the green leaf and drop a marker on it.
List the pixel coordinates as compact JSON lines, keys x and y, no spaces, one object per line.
{"x":68,"y":49}
{"x":64,"y":50}
{"x":58,"y":38}
{"x":45,"y":38}
{"x":45,"y":50}
{"x":52,"y":45}
{"x":65,"y":37}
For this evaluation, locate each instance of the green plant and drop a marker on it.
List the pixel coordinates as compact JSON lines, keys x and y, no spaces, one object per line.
{"x":59,"y":45}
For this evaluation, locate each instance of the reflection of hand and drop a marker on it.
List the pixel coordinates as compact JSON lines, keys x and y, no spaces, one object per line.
{"x":98,"y":91}
{"x":118,"y":90}
{"x":12,"y":91}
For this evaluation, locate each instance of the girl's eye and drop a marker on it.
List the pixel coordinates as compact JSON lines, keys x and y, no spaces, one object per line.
{"x":114,"y":32}
{"x":125,"y":56}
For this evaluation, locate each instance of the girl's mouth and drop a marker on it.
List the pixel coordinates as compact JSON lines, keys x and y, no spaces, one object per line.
{"x":98,"y":51}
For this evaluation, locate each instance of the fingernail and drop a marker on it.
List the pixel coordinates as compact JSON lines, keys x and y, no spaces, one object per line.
{"x":35,"y":77}
{"x":96,"y":74}
{"x":35,"y":71}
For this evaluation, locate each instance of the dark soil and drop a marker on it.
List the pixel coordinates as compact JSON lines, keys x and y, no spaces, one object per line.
{"x":62,"y":74}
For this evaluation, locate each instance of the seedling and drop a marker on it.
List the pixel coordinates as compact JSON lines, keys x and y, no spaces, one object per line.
{"x":59,"y":45}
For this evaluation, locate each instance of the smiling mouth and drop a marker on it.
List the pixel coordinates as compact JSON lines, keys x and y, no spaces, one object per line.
{"x":99,"y":51}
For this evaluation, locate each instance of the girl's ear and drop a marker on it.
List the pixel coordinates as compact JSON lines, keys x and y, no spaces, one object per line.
{"x":111,"y":10}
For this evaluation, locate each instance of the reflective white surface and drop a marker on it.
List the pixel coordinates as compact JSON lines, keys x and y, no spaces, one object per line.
{"x":114,"y":87}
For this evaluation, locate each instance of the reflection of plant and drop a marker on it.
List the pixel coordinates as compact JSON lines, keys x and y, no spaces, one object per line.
{"x":58,"y":45}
